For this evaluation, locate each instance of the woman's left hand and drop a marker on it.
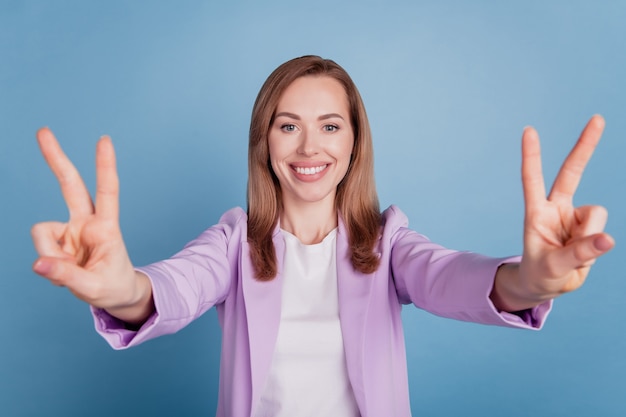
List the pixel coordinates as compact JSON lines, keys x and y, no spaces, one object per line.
{"x":561,"y":241}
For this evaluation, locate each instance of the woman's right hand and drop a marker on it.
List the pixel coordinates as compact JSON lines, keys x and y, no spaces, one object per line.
{"x":87,"y":254}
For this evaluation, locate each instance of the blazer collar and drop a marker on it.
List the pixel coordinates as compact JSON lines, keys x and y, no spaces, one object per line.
{"x":263,"y":308}
{"x":262,"y":301}
{"x":354,"y":289}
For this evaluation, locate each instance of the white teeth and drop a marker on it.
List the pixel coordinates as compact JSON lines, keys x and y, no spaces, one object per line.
{"x":311,"y":170}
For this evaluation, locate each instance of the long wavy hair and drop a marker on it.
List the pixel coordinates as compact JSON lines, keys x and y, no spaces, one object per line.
{"x":356,"y":199}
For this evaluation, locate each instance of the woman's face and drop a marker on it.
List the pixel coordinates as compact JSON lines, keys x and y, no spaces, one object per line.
{"x":311,"y":140}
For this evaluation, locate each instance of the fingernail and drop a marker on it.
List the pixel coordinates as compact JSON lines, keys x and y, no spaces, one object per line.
{"x":602,"y":243}
{"x":42,"y":267}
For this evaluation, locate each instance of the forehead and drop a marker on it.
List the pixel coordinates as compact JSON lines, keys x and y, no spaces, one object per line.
{"x":315,"y":91}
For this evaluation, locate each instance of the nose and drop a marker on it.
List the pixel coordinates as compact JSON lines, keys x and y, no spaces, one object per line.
{"x":309,"y":143}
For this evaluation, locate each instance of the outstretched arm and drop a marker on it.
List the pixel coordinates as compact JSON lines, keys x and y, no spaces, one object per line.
{"x":561,"y":241}
{"x":87,"y":253}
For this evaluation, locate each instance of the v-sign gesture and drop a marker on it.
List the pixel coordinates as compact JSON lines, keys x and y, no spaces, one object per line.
{"x":87,"y":254}
{"x":561,"y":241}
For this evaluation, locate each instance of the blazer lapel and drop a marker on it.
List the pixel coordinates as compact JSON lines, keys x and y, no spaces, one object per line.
{"x":263,"y":306}
{"x":354,"y":289}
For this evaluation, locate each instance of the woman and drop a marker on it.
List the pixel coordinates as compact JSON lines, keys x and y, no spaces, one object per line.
{"x":309,"y":282}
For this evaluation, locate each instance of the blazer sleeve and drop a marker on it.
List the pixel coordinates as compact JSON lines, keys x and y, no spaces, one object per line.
{"x":184,"y":286}
{"x":449,"y":283}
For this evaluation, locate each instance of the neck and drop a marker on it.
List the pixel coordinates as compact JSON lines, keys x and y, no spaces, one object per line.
{"x":309,"y":222}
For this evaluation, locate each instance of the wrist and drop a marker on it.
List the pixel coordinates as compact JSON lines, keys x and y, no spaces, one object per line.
{"x":141,"y":304}
{"x":509,"y":292}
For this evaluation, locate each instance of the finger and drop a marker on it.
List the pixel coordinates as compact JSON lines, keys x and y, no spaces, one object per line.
{"x":532,"y":175}
{"x":62,"y":273}
{"x":572,"y":169}
{"x":72,"y":186}
{"x":83,"y":284}
{"x":107,"y":186}
{"x":46,"y":238}
{"x":589,"y":220}
{"x":581,"y":252}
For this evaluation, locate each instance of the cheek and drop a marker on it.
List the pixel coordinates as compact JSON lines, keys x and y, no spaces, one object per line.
{"x":275,"y":166}
{"x":344,"y":150}
{"x":276,"y":157}
{"x":274,"y":153}
{"x":278,"y":148}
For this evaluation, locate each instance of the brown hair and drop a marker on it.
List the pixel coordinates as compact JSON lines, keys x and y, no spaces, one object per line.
{"x":356,"y":198}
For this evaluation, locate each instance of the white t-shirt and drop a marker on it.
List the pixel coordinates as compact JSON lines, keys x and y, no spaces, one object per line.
{"x":308,"y":375}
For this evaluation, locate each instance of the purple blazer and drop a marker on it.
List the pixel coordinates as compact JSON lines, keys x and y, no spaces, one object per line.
{"x":215,"y":270}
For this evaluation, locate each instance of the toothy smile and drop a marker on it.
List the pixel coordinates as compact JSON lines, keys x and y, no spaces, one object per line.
{"x":310,"y":170}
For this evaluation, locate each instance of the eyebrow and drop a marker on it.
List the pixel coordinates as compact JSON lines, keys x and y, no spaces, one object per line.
{"x":296,"y":117}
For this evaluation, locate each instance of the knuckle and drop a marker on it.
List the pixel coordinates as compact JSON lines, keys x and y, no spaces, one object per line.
{"x":37,"y":229}
{"x":68,"y":177}
{"x":600,"y":211}
{"x":582,"y":254}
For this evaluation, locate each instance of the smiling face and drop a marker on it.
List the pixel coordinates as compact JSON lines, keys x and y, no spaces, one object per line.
{"x":311,"y":140}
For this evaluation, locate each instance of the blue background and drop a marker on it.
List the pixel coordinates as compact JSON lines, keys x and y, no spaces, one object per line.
{"x":448,"y":85}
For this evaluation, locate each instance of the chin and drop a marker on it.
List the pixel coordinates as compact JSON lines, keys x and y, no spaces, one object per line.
{"x":313,"y":197}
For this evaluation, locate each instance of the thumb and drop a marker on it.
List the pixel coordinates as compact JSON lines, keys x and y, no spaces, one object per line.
{"x":584,"y":251}
{"x":59,"y":271}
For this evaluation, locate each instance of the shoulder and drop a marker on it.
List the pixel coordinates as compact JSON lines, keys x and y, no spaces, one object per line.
{"x":395,"y":229}
{"x":234,"y":222}
{"x":393,"y":219}
{"x":234,"y":217}
{"x":231,"y":227}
